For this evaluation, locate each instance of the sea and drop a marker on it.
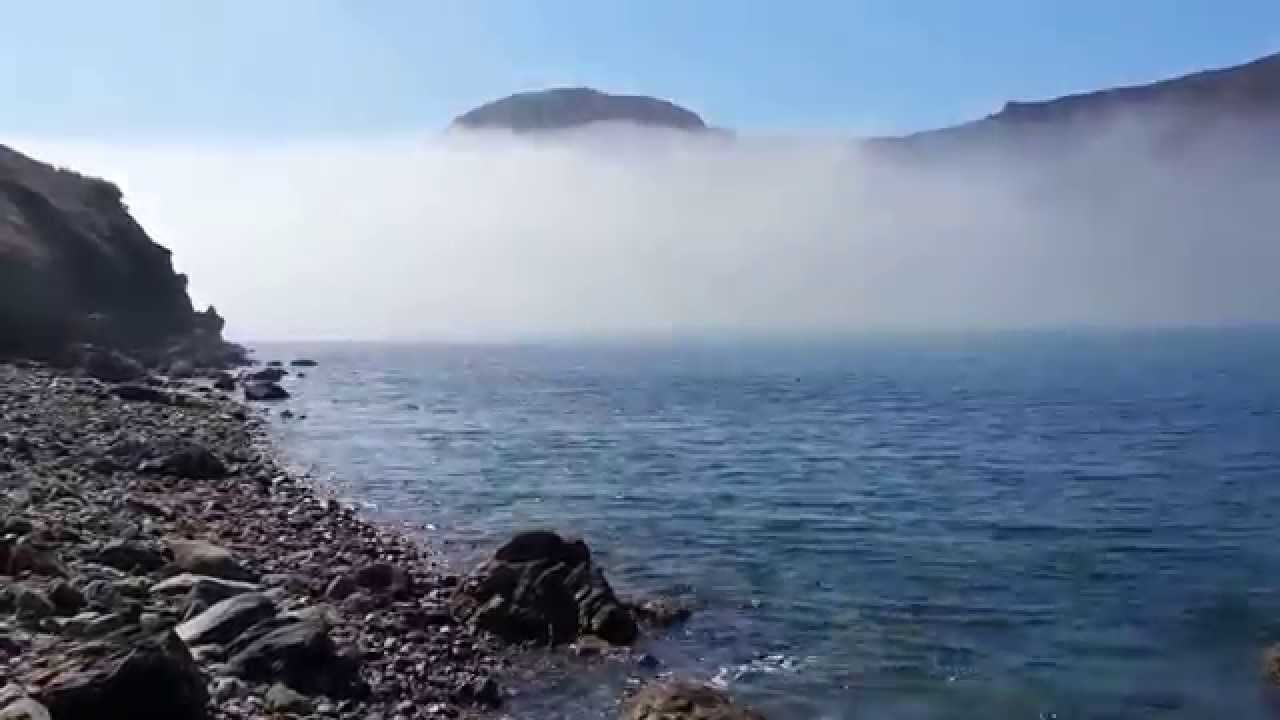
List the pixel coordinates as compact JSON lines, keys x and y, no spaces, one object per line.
{"x":1074,"y":524}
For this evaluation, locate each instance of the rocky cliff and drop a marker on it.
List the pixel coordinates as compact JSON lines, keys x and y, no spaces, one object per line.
{"x":76,"y":267}
{"x":563,"y":108}
{"x":1239,"y":105}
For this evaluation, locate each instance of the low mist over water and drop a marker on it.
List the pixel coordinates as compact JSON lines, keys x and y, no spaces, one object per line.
{"x":629,"y":232}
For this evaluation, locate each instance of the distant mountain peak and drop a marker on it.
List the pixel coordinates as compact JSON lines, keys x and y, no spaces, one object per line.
{"x":568,"y":107}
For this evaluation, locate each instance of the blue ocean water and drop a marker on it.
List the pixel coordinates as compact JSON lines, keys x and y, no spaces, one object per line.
{"x":1021,"y":525}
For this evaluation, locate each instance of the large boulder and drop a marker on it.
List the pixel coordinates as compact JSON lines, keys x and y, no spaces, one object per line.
{"x":542,"y":588}
{"x":684,"y":700}
{"x":302,"y":656}
{"x":139,"y":679}
{"x":226,"y":619}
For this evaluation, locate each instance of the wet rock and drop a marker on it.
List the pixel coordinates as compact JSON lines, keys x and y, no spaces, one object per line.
{"x":203,"y":558}
{"x":303,"y":362}
{"x":143,"y":678}
{"x":282,"y":699}
{"x":541,"y":588}
{"x":225,"y":381}
{"x":683,"y":700}
{"x":133,"y":392}
{"x":192,"y":461}
{"x":302,"y":656}
{"x":128,"y":555}
{"x":263,"y":392}
{"x":225,"y":620}
{"x":24,"y":709}
{"x":111,"y":366}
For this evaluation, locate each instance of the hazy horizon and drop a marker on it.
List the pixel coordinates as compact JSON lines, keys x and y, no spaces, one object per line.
{"x":629,"y":233}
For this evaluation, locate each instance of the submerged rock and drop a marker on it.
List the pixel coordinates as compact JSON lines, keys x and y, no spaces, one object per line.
{"x":303,"y":362}
{"x":684,"y":700}
{"x":541,"y":588}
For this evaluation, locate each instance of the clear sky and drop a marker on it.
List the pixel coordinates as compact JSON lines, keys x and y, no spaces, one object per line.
{"x":270,"y":68}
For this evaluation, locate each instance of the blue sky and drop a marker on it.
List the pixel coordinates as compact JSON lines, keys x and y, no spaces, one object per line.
{"x":270,"y":68}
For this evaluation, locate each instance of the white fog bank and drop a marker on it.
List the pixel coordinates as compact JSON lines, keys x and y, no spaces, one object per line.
{"x":494,"y":237}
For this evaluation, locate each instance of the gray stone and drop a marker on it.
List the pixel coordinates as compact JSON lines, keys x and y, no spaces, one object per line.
{"x":683,"y":700}
{"x":203,"y":558}
{"x":25,"y":709}
{"x":224,"y":621}
{"x":221,"y":587}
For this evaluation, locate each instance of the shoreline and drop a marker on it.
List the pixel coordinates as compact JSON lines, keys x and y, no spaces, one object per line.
{"x":155,"y":534}
{"x":100,"y":487}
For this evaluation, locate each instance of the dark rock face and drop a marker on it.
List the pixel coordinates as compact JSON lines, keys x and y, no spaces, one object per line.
{"x":562,"y":108}
{"x":152,"y":678}
{"x":541,"y":588}
{"x":264,"y":392}
{"x":76,"y":267}
{"x":682,"y":700}
{"x":300,"y":655}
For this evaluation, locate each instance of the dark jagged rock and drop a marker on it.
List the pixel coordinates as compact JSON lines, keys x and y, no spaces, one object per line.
{"x":225,"y":381}
{"x":263,"y":392}
{"x":76,"y":267}
{"x":541,"y":588}
{"x":143,"y":678}
{"x":684,"y":700}
{"x":563,"y":108}
{"x":302,"y":656}
{"x":303,"y":362}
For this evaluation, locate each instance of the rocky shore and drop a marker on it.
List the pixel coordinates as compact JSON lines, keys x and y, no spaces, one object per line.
{"x":157,"y":561}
